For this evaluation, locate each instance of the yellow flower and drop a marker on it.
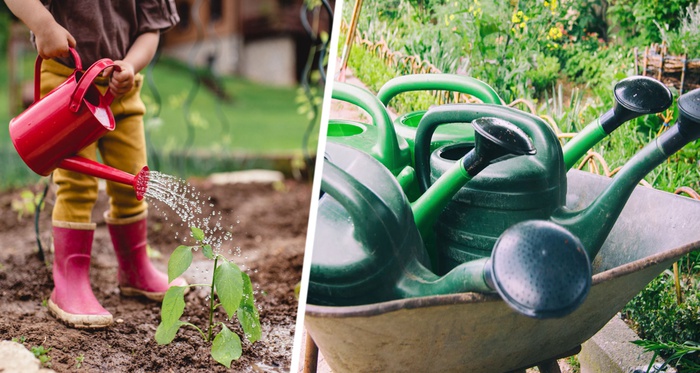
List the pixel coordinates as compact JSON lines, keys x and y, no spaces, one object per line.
{"x":555,"y":33}
{"x":516,"y":16}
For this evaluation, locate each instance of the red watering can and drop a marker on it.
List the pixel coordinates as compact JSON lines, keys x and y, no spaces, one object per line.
{"x":49,"y":133}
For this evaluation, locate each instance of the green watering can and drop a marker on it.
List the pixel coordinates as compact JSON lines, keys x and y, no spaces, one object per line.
{"x":634,"y":96}
{"x":406,"y":124}
{"x":378,"y":140}
{"x":368,"y":247}
{"x":526,"y":188}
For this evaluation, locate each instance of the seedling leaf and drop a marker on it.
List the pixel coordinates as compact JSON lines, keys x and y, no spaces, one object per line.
{"x":173,"y":306}
{"x":226,"y":347}
{"x":166,"y":333}
{"x":229,"y":286}
{"x":197,"y":233}
{"x":208,"y":252}
{"x":179,"y":261}
{"x":247,"y":313}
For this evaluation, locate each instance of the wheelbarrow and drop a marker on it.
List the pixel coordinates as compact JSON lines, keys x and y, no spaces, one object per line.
{"x":479,"y":332}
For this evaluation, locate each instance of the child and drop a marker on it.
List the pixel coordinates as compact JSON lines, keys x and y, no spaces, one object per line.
{"x":128,"y":32}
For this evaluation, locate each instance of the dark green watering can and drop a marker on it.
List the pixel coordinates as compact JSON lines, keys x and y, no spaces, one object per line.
{"x":406,"y":124}
{"x":378,"y":140}
{"x":526,"y":188}
{"x":368,"y":248}
{"x":634,"y":96}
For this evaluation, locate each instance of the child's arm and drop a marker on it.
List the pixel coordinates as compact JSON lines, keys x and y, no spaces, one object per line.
{"x":138,"y":57}
{"x":52,"y":40}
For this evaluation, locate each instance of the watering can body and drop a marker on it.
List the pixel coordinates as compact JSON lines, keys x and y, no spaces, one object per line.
{"x":365,"y":235}
{"x":527,"y":188}
{"x":511,"y":191}
{"x":377,"y":139}
{"x":49,"y":133}
{"x":368,"y":246}
{"x":407,"y":124}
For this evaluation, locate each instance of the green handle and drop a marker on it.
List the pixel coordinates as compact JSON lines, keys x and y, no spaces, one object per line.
{"x":543,"y":138}
{"x":386,"y":150}
{"x":443,"y":82}
{"x":577,"y":147}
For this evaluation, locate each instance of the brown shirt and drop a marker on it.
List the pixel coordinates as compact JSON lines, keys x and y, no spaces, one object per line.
{"x":108,"y":28}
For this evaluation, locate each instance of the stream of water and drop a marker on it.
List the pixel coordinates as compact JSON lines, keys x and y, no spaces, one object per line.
{"x":187,"y":203}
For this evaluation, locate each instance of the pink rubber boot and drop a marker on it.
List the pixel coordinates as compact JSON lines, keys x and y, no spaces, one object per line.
{"x":72,"y":300}
{"x":137,"y":275}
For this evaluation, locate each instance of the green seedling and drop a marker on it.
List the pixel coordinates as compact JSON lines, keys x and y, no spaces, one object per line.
{"x":26,"y":204}
{"x":42,"y":354}
{"x":234,"y":292}
{"x":79,"y":361}
{"x":19,"y":340}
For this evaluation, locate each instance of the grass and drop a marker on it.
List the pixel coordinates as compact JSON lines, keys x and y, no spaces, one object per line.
{"x":259,"y":119}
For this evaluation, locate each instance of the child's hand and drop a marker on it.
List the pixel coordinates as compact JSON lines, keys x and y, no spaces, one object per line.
{"x":121,"y":81}
{"x":52,"y":40}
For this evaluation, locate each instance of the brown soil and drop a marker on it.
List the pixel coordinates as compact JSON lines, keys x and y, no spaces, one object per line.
{"x":268,"y":224}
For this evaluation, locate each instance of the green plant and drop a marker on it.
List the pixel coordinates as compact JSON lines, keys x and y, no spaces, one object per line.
{"x":685,"y":40}
{"x":658,"y":316}
{"x":545,"y":73}
{"x":676,"y":353}
{"x":574,"y":363}
{"x":234,"y":291}
{"x":26,"y":204}
{"x":42,"y":354}
{"x":636,"y":18}
{"x":79,"y":361}
{"x":19,"y":340}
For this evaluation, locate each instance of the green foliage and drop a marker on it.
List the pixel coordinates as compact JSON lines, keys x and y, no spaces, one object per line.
{"x":226,"y":347}
{"x":544,"y":74}
{"x":26,"y":204}
{"x":79,"y":360}
{"x":234,"y":291}
{"x":658,"y":316}
{"x":636,"y":19}
{"x":678,"y":354}
{"x":42,"y":353}
{"x":684,"y":40}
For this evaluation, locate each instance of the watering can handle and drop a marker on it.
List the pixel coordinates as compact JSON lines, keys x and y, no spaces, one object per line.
{"x":387,"y":144}
{"x":86,"y":81}
{"x":444,"y":82}
{"x":541,"y":133}
{"x":37,"y":71}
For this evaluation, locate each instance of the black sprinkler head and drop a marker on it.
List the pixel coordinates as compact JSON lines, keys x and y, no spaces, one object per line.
{"x":689,"y":107}
{"x":643,"y":95}
{"x":502,"y":134}
{"x":494,"y":138}
{"x":636,"y":96}
{"x":540,"y":269}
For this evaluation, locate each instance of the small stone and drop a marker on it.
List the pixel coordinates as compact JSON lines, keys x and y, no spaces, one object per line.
{"x":14,"y":357}
{"x":119,"y":321}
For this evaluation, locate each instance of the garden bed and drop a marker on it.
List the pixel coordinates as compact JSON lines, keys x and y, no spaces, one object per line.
{"x":269,"y":225}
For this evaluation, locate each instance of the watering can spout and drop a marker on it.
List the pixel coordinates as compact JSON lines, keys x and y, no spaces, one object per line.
{"x":494,"y":139}
{"x":594,"y":223}
{"x":89,"y":167}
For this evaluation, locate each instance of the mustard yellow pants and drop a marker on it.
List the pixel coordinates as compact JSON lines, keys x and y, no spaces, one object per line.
{"x":123,"y":148}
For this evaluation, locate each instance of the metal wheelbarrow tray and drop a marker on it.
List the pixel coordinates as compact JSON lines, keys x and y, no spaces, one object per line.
{"x":473,"y":332}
